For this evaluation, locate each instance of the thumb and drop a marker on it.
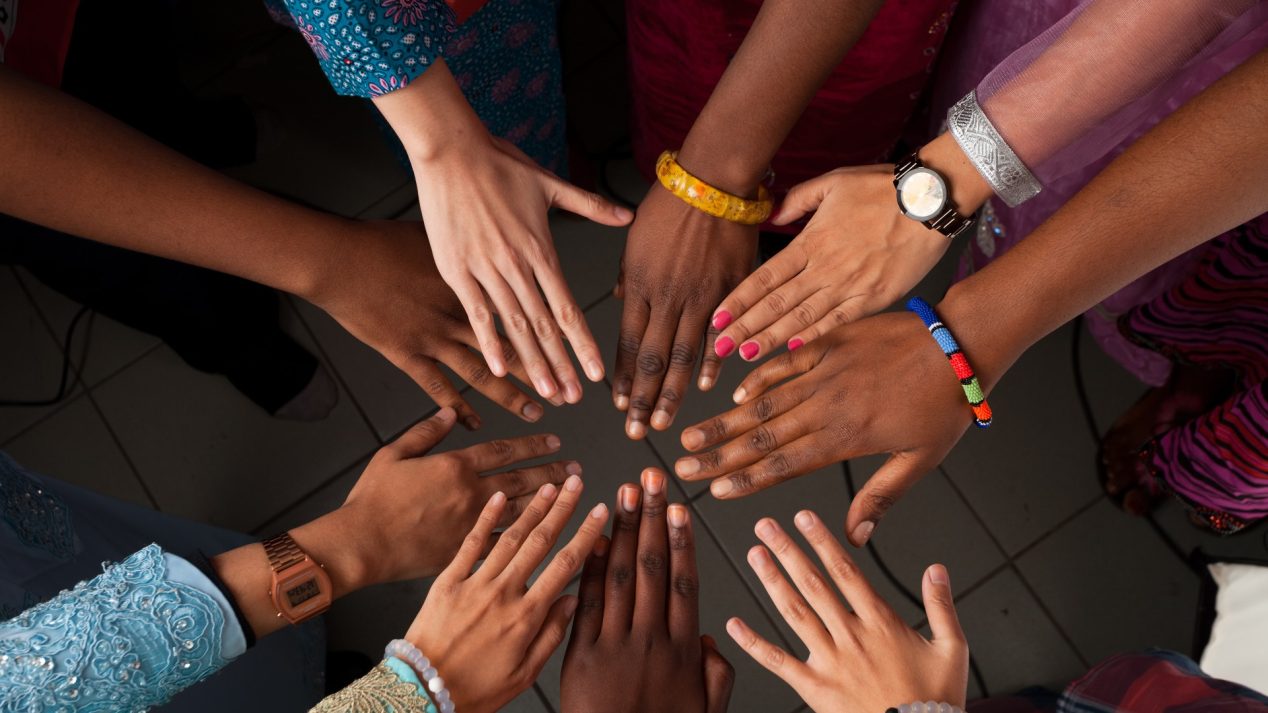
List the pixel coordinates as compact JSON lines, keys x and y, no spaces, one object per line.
{"x":590,"y":205}
{"x":425,"y":435}
{"x":935,"y":589}
{"x":719,"y":677}
{"x":803,"y":198}
{"x":890,"y":482}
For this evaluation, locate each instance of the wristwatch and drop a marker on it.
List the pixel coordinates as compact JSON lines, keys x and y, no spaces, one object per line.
{"x":924,"y":197}
{"x":301,"y":588}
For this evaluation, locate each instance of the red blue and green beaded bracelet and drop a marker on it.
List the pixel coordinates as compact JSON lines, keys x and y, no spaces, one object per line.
{"x":942,"y":335}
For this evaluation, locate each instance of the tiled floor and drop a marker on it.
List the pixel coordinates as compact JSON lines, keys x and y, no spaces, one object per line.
{"x":1050,"y":577}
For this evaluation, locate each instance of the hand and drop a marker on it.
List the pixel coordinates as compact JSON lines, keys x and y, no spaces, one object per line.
{"x":880,"y":385}
{"x":406,"y":515}
{"x":636,"y":644}
{"x":383,"y":287}
{"x":857,"y":256}
{"x":485,"y":205}
{"x":488,"y":632}
{"x":678,"y":263}
{"x":862,"y":659}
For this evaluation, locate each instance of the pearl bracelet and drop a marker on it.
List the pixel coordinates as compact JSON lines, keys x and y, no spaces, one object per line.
{"x":926,"y":707}
{"x":407,"y":652}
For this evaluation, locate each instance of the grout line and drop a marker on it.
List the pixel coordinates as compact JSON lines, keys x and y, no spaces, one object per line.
{"x":317,"y":488}
{"x":541,"y":696}
{"x":127,"y":457}
{"x":1044,"y":537}
{"x":1043,"y":607}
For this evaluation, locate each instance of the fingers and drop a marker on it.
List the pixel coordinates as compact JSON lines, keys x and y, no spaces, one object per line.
{"x":935,"y":589}
{"x":618,"y":602}
{"x":474,"y":547}
{"x":682,"y":359}
{"x":567,"y":562}
{"x":796,"y":326}
{"x":424,"y":435}
{"x":710,"y":362}
{"x":803,"y":198}
{"x":515,"y":535}
{"x":526,"y":482}
{"x":738,"y":421}
{"x":651,"y":581}
{"x":740,"y":303}
{"x":520,"y":329}
{"x":766,"y":376}
{"x":572,"y":321}
{"x":548,"y":639}
{"x":791,"y":605}
{"x":789,"y":461}
{"x":650,"y":367}
{"x":480,"y":316}
{"x":589,"y":205}
{"x":502,"y":452}
{"x":545,"y":327}
{"x":806,"y":577}
{"x":538,"y":543}
{"x":840,"y":566}
{"x":890,"y":482}
{"x":634,"y":315}
{"x":747,"y":447}
{"x":499,"y":390}
{"x":684,"y":580}
{"x":719,"y":677}
{"x":424,"y":372}
{"x":830,"y":318}
{"x":589,"y":622}
{"x":773,"y":658}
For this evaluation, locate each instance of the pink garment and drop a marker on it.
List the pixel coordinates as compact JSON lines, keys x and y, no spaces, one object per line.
{"x":1104,"y":72}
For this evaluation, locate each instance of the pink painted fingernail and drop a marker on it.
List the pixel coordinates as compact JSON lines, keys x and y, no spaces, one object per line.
{"x":748,"y":350}
{"x":795,"y":343}
{"x":721,"y":319}
{"x":724,"y":346}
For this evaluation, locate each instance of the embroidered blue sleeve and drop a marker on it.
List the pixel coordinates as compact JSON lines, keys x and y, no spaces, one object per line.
{"x":128,"y":639}
{"x":368,"y":48}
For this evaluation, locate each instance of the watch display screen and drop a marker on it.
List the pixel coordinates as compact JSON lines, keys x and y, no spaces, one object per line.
{"x":302,"y":592}
{"x":922,"y":193}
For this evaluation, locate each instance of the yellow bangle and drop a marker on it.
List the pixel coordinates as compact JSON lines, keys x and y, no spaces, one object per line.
{"x":715,"y":202}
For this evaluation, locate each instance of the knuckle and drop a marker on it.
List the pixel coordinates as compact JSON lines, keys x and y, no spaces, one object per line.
{"x":516,"y":322}
{"x":843,"y":569}
{"x":840,"y":316}
{"x":567,"y":560}
{"x":626,"y":523}
{"x":478,"y":374}
{"x":774,"y":656}
{"x":742,"y":482}
{"x":776,"y":303}
{"x":880,"y":502}
{"x":813,"y":584}
{"x":473,"y":542}
{"x":481,"y":315}
{"x":590,"y":605}
{"x":686,"y":586}
{"x":670,"y":397}
{"x":544,"y":328}
{"x":716,"y":429}
{"x":654,"y":509}
{"x":621,"y":575}
{"x":513,"y":536}
{"x":762,"y":440}
{"x":764,"y":408}
{"x":710,"y":459}
{"x":651,"y":363}
{"x":569,"y":315}
{"x":777,"y":466}
{"x":764,"y":277}
{"x":541,"y":538}
{"x":653,"y":563}
{"x":795,"y":609}
{"x":805,"y":314}
{"x":682,"y":356}
{"x":501,"y":447}
{"x":435,"y":385}
{"x":640,"y":404}
{"x":678,"y":540}
{"x":516,"y":482}
{"x":628,"y":344}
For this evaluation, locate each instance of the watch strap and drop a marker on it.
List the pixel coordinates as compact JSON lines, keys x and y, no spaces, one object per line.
{"x":949,"y":222}
{"x":283,"y":552}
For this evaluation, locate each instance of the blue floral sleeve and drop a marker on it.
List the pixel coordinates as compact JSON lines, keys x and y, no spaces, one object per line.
{"x":128,"y":639}
{"x":370,"y":47}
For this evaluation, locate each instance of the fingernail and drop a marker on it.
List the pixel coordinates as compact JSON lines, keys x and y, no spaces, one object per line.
{"x":721,"y":319}
{"x":706,"y":383}
{"x":471,"y":422}
{"x":599,"y":512}
{"x":661,"y":419}
{"x":739,"y":395}
{"x":734,"y":628}
{"x":532,"y":412}
{"x":570,"y":607}
{"x":594,"y":370}
{"x":687,"y":467}
{"x":556,"y":399}
{"x":629,"y":499}
{"x":446,"y":414}
{"x":677,"y":515}
{"x":764,"y":528}
{"x":795,"y":343}
{"x":573,"y":469}
{"x":635,"y":429}
{"x":545,"y":387}
{"x":653,"y":482}
{"x":552,"y":442}
{"x":938,"y":575}
{"x":547,"y":491}
{"x":623,"y":213}
{"x":804,"y":519}
{"x":863,"y":532}
{"x":720,"y":487}
{"x":600,"y":545}
{"x":572,"y":393}
{"x":724,"y":346}
{"x":498,"y":498}
{"x":748,"y":350}
{"x":573,"y":483}
{"x":622,"y":402}
{"x":692,"y":439}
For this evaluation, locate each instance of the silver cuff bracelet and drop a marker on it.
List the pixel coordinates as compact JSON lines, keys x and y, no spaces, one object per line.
{"x":994,"y":159}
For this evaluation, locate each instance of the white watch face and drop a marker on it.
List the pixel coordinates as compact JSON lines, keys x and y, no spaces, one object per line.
{"x":922,"y":194}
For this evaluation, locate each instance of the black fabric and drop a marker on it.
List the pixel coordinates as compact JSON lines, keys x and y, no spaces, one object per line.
{"x":203,"y":562}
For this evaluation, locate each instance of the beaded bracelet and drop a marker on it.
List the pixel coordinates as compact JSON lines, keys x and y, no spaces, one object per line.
{"x":714,"y":201}
{"x":926,"y":707}
{"x":407,"y":652}
{"x":942,"y":335}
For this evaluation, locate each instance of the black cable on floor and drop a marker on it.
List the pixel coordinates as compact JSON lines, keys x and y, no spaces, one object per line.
{"x":64,"y":385}
{"x":907,"y":593}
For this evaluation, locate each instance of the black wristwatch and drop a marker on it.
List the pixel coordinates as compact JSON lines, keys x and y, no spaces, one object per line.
{"x":924,"y":197}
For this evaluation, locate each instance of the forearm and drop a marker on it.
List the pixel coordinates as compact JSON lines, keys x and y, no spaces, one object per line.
{"x":1197,"y":174}
{"x":788,"y":54}
{"x":74,"y":169}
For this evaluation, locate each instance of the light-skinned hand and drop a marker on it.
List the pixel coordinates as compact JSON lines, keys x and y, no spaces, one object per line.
{"x":863,"y":657}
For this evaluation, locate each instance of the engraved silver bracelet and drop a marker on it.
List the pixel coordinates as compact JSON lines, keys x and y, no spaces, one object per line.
{"x":994,"y":159}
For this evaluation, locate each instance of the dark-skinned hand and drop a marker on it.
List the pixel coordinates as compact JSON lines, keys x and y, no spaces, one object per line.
{"x":636,"y":644}
{"x":880,"y":385}
{"x":679,"y":263}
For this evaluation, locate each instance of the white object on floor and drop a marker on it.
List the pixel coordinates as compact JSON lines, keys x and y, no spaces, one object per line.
{"x":1237,"y":650}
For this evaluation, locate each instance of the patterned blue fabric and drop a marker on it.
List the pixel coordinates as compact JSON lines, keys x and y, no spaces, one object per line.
{"x":39,"y":519}
{"x":128,"y":639}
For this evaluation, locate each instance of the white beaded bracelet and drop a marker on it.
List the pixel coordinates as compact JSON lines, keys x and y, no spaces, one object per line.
{"x":926,"y":707}
{"x":407,"y":652}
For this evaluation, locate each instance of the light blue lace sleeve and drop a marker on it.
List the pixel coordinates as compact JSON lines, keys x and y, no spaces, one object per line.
{"x":129,"y":639}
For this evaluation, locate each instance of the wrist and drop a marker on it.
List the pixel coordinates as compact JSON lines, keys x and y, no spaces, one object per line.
{"x":341,"y":550}
{"x":968,"y":190}
{"x":723,"y":168}
{"x":432,"y":117}
{"x":989,"y":343}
